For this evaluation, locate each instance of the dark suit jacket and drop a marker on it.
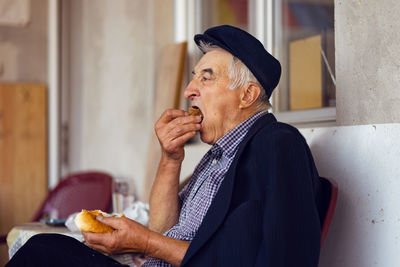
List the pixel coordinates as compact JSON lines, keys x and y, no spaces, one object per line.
{"x":266,"y":210}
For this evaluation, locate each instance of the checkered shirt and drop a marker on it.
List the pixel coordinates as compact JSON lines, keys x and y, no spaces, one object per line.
{"x":197,"y":195}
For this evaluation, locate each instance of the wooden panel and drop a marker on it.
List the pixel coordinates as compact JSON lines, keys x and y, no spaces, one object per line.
{"x":167,"y":95}
{"x":305,"y":73}
{"x":23,"y":156}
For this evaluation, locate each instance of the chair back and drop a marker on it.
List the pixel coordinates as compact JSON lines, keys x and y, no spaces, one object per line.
{"x":85,"y":190}
{"x":330,"y":196}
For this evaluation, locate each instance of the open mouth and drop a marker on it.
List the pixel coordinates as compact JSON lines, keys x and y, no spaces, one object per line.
{"x":195,"y":111}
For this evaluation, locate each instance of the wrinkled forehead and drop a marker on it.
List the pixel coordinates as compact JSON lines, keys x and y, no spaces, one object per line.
{"x":217,"y":60}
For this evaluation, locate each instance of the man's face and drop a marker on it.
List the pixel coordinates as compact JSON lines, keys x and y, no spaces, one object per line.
{"x":209,"y":91}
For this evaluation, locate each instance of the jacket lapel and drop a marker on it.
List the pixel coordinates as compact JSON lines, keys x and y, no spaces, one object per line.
{"x":220,"y":205}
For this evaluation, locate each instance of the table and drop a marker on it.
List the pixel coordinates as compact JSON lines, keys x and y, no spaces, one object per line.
{"x":18,"y":236}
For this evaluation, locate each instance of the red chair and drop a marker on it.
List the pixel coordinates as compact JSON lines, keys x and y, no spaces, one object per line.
{"x":85,"y":190}
{"x":330,"y":196}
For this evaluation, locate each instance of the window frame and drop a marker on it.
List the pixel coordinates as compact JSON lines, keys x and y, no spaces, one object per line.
{"x":297,"y":117}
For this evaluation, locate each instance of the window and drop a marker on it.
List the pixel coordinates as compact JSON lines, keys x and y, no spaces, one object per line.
{"x":304,"y":43}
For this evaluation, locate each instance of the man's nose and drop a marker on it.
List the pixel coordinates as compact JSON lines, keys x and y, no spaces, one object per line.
{"x":191,"y":91}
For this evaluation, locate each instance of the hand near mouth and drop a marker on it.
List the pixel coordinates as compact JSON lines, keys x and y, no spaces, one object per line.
{"x":174,"y":129}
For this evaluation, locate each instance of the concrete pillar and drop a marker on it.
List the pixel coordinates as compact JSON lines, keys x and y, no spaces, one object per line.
{"x":367,"y":61}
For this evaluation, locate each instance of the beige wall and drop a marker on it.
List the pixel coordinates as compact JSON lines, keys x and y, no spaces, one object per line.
{"x":114,"y":48}
{"x":367,"y":61}
{"x":23,"y":50}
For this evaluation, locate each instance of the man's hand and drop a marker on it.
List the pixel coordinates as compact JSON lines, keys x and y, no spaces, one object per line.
{"x":174,"y":129}
{"x":129,"y":236}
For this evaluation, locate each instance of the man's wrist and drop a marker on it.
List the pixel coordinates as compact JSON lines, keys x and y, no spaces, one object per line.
{"x":170,"y":163}
{"x":166,"y":248}
{"x":146,"y":248}
{"x":151,"y":245}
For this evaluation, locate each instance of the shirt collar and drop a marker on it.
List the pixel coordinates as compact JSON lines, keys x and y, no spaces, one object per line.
{"x":227,"y":144}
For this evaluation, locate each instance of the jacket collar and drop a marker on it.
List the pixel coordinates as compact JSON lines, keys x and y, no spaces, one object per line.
{"x":220,"y":205}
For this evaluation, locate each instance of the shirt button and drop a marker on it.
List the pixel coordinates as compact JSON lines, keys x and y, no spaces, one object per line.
{"x":214,"y":161}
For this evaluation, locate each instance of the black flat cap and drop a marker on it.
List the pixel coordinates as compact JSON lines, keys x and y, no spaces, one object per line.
{"x":248,"y":49}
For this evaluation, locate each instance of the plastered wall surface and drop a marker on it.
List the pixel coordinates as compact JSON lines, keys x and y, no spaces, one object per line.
{"x":23,"y":49}
{"x":367,"y":39}
{"x":363,"y":160}
{"x":113,"y":46}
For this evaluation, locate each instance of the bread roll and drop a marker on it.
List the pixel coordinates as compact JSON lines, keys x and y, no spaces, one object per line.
{"x":195,"y":112}
{"x":86,"y":221}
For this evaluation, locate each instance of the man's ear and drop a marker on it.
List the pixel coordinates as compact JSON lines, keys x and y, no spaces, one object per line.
{"x":249,"y":95}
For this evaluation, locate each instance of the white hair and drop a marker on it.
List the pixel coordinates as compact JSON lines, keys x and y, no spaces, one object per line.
{"x":240,"y":75}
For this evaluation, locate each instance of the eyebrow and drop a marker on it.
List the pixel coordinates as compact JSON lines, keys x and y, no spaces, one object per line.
{"x":207,"y":70}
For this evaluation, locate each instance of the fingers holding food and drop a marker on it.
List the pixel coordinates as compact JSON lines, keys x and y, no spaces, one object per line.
{"x":173,"y":124}
{"x":174,"y":129}
{"x":128,"y":236}
{"x":86,"y":221}
{"x":169,"y":115}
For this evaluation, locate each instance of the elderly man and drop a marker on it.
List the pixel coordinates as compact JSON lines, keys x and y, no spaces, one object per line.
{"x":252,"y":199}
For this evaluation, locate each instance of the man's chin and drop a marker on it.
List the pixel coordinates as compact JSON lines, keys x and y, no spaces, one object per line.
{"x":203,"y":136}
{"x":206,"y":139}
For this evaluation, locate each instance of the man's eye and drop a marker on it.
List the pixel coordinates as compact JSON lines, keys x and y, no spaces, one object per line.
{"x":204,"y":78}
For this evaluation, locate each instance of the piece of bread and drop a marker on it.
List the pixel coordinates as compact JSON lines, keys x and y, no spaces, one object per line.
{"x":195,"y":112}
{"x":86,"y":221}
